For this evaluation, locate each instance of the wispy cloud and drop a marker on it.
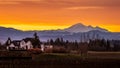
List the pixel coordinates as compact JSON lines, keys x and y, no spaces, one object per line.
{"x":9,"y":2}
{"x":17,"y":1}
{"x":84,"y":7}
{"x":62,"y":4}
{"x":68,"y":3}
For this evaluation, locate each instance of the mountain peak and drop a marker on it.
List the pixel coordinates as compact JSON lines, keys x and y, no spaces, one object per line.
{"x":79,"y":27}
{"x":78,"y":24}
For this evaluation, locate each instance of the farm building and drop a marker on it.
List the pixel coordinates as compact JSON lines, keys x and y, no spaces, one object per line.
{"x":24,"y":44}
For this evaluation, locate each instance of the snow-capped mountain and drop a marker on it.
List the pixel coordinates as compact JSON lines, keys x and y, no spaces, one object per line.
{"x":75,"y":32}
{"x":83,"y":28}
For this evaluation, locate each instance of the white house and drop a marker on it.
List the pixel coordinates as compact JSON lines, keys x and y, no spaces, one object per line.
{"x":11,"y":46}
{"x":20,"y":44}
{"x":27,"y":43}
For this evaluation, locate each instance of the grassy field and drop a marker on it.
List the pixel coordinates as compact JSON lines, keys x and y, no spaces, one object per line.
{"x":104,"y":55}
{"x":56,"y":60}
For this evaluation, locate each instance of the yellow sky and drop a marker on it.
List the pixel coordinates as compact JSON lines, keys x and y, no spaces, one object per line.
{"x":59,"y":14}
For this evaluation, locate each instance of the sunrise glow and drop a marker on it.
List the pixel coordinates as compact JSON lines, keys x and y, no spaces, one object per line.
{"x":59,"y":14}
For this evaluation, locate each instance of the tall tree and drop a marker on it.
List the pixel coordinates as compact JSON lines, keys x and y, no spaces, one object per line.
{"x":8,"y":42}
{"x":51,"y":42}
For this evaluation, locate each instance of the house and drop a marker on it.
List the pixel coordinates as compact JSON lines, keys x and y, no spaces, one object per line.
{"x":24,"y":44}
{"x":46,"y":48}
{"x":19,"y":44}
{"x":13,"y":44}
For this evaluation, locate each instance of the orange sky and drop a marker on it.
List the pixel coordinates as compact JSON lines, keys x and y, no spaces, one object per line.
{"x":59,"y":14}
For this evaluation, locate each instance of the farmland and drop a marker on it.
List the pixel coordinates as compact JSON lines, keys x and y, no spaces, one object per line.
{"x":56,"y":60}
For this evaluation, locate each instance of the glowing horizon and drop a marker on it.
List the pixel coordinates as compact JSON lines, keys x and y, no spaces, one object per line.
{"x":34,"y":27}
{"x":59,"y":14}
{"x":53,"y":27}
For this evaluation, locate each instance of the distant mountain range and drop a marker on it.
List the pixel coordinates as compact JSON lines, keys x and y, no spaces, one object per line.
{"x":76,"y":32}
{"x":82,"y":28}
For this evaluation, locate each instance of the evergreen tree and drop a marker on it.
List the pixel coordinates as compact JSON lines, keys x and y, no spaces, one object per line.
{"x":36,"y":40}
{"x":8,"y":41}
{"x":36,"y":36}
{"x":108,"y":45}
{"x":57,"y":41}
{"x":51,"y":42}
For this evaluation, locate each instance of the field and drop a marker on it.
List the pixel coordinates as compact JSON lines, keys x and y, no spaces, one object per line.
{"x":56,"y":60}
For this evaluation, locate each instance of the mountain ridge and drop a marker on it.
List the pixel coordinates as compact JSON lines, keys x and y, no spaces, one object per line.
{"x":52,"y":34}
{"x":79,"y":27}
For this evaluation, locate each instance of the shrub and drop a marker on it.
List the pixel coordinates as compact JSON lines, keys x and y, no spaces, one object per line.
{"x":35,"y":51}
{"x":59,"y":50}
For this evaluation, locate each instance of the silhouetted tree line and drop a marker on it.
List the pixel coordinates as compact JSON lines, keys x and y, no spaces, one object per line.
{"x":92,"y":44}
{"x":63,"y":43}
{"x":64,"y":46}
{"x":104,"y":45}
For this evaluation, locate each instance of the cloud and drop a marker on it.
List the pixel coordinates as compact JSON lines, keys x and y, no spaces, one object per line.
{"x":18,"y":0}
{"x":84,"y":7}
{"x":9,"y":3}
{"x":70,"y":4}
{"x":84,"y":2}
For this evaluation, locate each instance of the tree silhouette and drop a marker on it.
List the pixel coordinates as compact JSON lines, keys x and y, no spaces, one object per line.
{"x":36,"y":40}
{"x":51,"y":42}
{"x":8,"y":42}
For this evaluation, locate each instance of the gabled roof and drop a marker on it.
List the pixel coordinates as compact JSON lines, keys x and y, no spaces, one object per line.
{"x":28,"y":39}
{"x":16,"y":42}
{"x":34,"y":41}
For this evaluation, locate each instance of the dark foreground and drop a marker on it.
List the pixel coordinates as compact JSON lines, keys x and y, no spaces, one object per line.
{"x":61,"y":64}
{"x":63,"y":61}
